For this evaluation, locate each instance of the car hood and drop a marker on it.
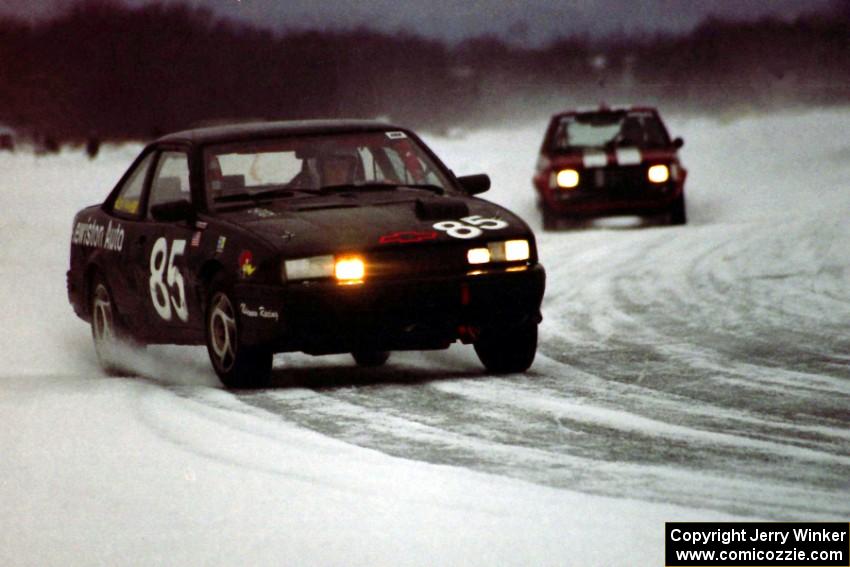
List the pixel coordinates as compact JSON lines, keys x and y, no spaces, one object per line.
{"x":307,"y":226}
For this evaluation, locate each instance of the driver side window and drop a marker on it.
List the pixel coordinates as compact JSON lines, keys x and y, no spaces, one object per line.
{"x":171,"y":179}
{"x":127,"y":201}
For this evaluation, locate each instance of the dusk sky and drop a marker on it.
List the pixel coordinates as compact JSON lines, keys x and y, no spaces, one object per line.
{"x":529,"y":21}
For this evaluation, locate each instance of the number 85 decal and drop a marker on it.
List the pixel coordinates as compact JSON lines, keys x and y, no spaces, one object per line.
{"x":160,"y":293}
{"x":469,"y":227}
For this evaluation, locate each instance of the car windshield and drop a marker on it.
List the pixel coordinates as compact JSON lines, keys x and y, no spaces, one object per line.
{"x":598,"y":129}
{"x":363,"y":161}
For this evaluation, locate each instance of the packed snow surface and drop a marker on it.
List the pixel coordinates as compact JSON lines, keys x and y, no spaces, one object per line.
{"x":691,"y":373}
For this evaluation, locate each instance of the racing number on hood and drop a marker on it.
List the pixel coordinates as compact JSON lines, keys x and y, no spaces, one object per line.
{"x":470,"y":227}
{"x":160,"y":290}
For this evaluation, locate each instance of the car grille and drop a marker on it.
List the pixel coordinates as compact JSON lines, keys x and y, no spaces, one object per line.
{"x":406,"y":260}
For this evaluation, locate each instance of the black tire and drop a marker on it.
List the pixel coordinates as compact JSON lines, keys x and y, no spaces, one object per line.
{"x":370,"y":358}
{"x":507,"y":350}
{"x":106,"y":330}
{"x":678,"y":214}
{"x":551,"y":221}
{"x":236,"y":364}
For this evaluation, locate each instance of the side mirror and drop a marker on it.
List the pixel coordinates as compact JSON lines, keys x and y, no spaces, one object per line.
{"x":173,"y":211}
{"x":475,"y":184}
{"x":678,"y":143}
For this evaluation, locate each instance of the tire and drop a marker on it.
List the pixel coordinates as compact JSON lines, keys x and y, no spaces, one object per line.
{"x":370,"y":358}
{"x":236,"y":364}
{"x":507,"y":350}
{"x":106,"y":330}
{"x":550,"y":219}
{"x":678,"y":214}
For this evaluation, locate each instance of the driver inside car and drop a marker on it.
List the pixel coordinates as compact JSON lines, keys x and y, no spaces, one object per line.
{"x":337,"y":169}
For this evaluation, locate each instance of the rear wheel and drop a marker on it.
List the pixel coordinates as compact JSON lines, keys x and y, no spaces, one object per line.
{"x":370,"y":358}
{"x":237,"y":365}
{"x":506,"y":350}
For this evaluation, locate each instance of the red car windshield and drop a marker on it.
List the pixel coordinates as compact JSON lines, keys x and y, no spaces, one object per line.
{"x":598,"y":129}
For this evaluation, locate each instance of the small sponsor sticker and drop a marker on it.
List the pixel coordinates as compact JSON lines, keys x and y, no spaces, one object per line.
{"x":260,"y":312}
{"x":262,"y":213}
{"x":196,"y":239}
{"x":246,"y":265}
{"x":395,"y":135}
{"x":219,"y":246}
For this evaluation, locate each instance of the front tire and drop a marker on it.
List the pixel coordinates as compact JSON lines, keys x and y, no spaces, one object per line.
{"x":104,"y":326}
{"x":551,"y":221}
{"x":507,"y":350}
{"x":370,"y":358}
{"x":236,"y":364}
{"x":678,"y":214}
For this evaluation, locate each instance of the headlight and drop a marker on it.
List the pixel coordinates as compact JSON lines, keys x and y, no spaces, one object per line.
{"x":567,"y":179}
{"x":516,"y":250}
{"x":658,"y":173}
{"x":350,"y":269}
{"x":309,"y":268}
{"x":346,"y":269}
{"x":505,"y":251}
{"x":478,"y":255}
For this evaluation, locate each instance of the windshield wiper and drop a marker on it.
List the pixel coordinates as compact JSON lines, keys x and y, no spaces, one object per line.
{"x":379,"y":187}
{"x":260,"y":195}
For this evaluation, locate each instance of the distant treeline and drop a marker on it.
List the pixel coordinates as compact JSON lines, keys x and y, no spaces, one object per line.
{"x":114,"y":72}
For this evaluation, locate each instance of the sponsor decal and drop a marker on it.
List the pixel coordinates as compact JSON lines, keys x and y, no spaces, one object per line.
{"x":196,"y":239}
{"x":260,"y":312}
{"x":200,"y":225}
{"x":470,"y":227}
{"x":287,"y":235}
{"x":396,"y":135}
{"x":219,"y":246}
{"x":126,"y":205}
{"x":262,"y":213}
{"x":94,"y":235}
{"x":408,"y":236}
{"x":246,"y":266}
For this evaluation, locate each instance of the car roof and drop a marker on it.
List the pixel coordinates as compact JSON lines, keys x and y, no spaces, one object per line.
{"x":603,"y":108}
{"x":254,"y":130}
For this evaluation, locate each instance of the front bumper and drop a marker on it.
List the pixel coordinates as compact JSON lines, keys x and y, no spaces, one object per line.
{"x":615,"y":190}
{"x":323,"y":317}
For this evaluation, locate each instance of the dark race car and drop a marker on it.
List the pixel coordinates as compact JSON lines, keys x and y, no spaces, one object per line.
{"x":322,"y":237}
{"x":609,"y":161}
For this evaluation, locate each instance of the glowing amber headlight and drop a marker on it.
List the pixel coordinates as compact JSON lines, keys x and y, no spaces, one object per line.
{"x":658,"y":173}
{"x":567,"y":179}
{"x":478,"y":255}
{"x":517,"y":250}
{"x":349,"y":269}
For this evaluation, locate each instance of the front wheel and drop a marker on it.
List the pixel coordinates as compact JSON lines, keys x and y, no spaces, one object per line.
{"x":104,"y":326}
{"x":507,"y":350}
{"x":237,"y":365}
{"x":551,"y":221}
{"x":370,"y":358}
{"x":678,"y":215}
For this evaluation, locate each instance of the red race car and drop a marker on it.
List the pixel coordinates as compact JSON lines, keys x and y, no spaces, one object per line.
{"x":609,"y":161}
